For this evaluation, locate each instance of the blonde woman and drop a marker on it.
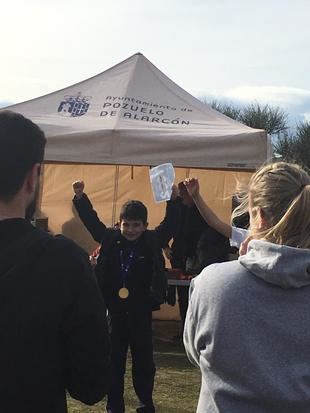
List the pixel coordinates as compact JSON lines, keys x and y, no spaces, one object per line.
{"x":247,"y":325}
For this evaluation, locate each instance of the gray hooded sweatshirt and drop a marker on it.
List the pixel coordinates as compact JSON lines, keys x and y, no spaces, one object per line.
{"x":248,"y":330}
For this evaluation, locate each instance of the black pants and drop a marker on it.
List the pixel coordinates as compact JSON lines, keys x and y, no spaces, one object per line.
{"x":183,"y":292}
{"x":134,"y":331}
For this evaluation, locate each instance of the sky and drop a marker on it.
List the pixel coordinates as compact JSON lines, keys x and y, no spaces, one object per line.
{"x":237,"y":51}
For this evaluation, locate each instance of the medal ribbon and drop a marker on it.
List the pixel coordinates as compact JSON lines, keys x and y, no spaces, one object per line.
{"x":125,"y":267}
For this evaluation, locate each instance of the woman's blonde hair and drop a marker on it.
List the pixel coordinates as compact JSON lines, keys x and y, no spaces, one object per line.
{"x":282,"y":192}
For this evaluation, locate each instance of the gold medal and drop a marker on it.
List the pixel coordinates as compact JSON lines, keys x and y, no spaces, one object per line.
{"x":123,"y":292}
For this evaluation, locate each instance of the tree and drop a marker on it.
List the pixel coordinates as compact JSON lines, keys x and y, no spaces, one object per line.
{"x":282,"y":147}
{"x":272,"y":119}
{"x":228,"y":109}
{"x":295,"y":147}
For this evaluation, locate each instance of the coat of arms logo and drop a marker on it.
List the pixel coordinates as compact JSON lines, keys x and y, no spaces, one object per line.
{"x":73,"y":106}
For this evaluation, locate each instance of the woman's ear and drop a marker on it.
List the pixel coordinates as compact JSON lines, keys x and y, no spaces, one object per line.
{"x":261,"y":219}
{"x":258,"y":221}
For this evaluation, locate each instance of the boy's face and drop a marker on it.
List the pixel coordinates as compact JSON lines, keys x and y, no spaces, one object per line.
{"x":132,"y":230}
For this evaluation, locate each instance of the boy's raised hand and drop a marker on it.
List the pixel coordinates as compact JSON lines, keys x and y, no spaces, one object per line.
{"x":78,"y":188}
{"x":192,"y":186}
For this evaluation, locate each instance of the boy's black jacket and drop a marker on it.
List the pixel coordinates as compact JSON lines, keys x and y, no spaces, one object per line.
{"x":146,"y":281}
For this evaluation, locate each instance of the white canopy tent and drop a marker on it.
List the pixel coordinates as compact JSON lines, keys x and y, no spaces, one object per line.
{"x":132,"y":114}
{"x":108,"y":130}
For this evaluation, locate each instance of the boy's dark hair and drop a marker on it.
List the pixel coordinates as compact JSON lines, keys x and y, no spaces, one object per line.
{"x":134,"y":211}
{"x":22,"y":145}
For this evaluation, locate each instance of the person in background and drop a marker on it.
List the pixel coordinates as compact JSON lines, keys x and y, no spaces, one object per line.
{"x":130,"y":272}
{"x":247,"y":326}
{"x":53,"y":330}
{"x":238,"y":235}
{"x":189,"y":232}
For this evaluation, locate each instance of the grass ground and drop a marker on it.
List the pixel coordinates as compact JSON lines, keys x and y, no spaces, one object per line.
{"x":177,"y":382}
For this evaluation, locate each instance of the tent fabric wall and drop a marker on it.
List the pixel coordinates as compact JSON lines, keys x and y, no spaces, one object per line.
{"x":109,"y":186}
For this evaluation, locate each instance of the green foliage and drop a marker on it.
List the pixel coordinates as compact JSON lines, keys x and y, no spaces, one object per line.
{"x":272,"y":119}
{"x":227,"y":109}
{"x":282,"y":147}
{"x":295,"y":147}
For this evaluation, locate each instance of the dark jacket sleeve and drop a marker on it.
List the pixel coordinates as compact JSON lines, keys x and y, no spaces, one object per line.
{"x":159,"y":285}
{"x":166,"y":229}
{"x":85,"y":334}
{"x":89,"y":217}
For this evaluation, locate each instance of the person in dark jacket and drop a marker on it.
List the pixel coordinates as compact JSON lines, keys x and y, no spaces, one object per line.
{"x":194,"y":243}
{"x":130,"y":272}
{"x":53,"y":330}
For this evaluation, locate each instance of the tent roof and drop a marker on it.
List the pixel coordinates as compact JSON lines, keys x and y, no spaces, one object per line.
{"x":133,"y":114}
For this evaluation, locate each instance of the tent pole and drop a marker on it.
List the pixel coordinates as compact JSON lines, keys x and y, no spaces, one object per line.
{"x":116,"y":179}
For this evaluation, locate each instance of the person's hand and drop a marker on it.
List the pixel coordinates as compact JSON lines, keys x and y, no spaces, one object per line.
{"x":244,"y":245}
{"x":78,"y":188}
{"x":93,"y":261}
{"x":168,"y":253}
{"x":192,"y":186}
{"x":174,"y":193}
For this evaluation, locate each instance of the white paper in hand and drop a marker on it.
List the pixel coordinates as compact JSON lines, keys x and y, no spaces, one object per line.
{"x":162,"y":178}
